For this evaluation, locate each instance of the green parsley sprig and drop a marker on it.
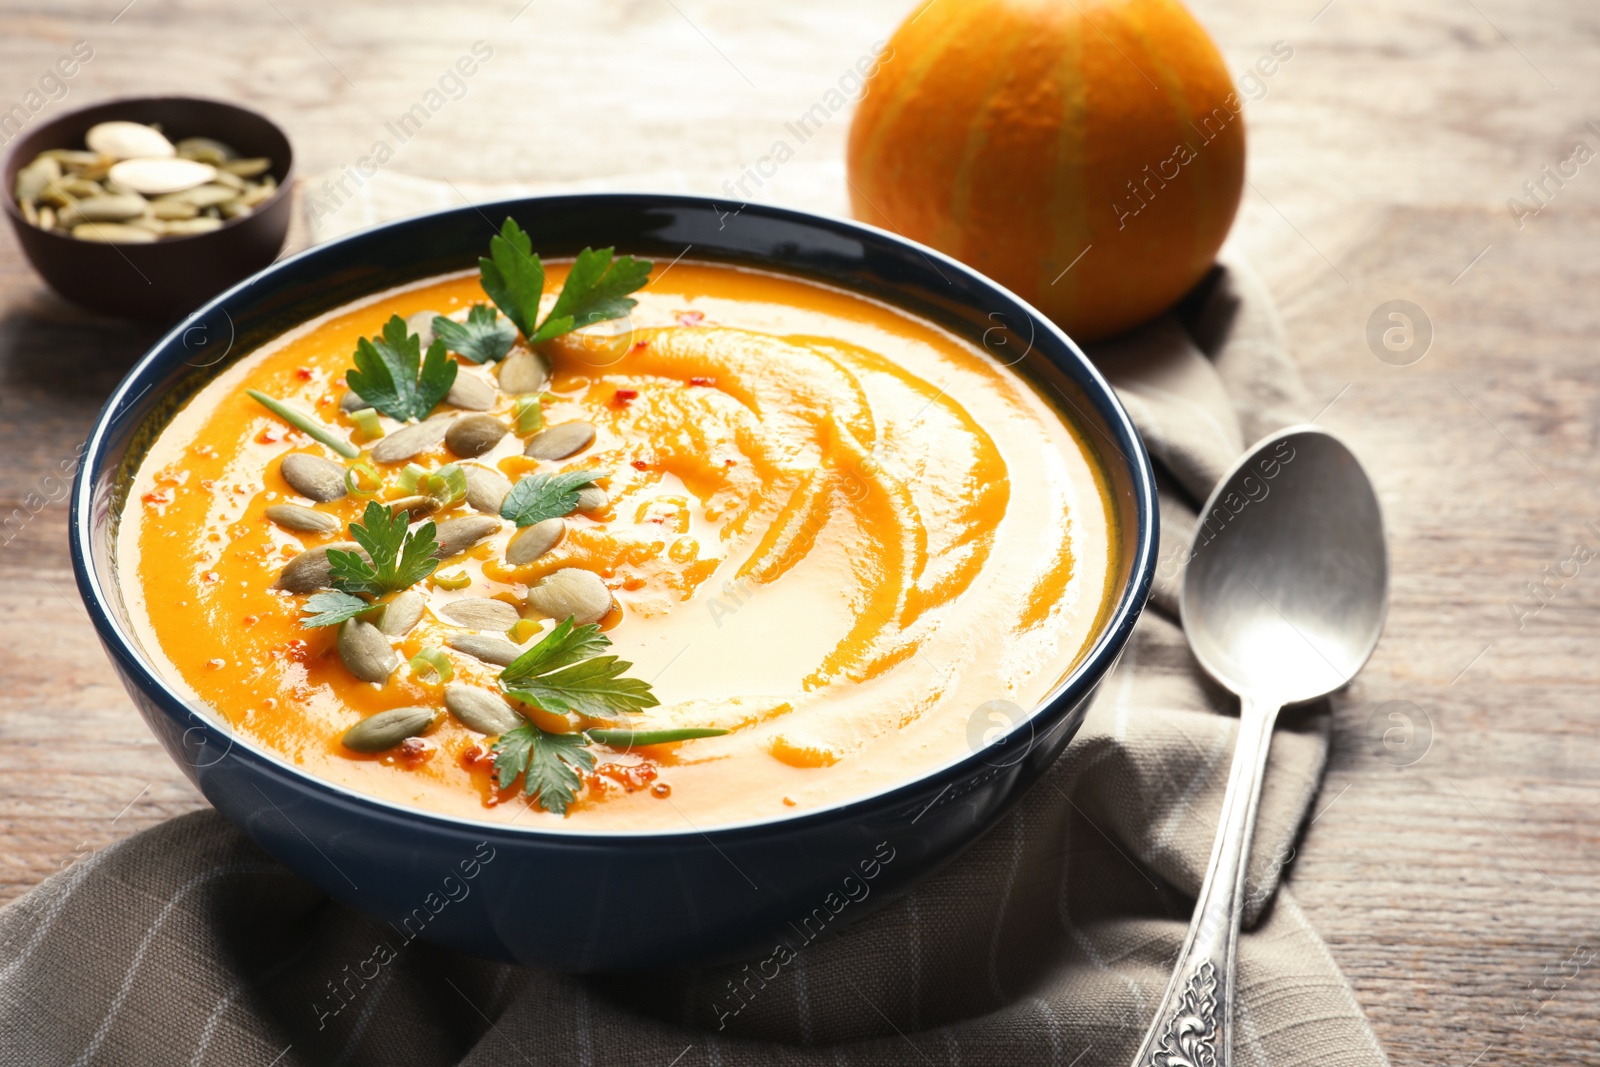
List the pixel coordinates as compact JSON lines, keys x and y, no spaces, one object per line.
{"x":550,"y":765}
{"x":566,"y":674}
{"x":543,"y":496}
{"x":483,"y":338}
{"x":393,"y":375}
{"x":596,"y":288}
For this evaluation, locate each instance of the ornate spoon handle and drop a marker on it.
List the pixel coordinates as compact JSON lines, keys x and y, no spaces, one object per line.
{"x":1193,"y":1027}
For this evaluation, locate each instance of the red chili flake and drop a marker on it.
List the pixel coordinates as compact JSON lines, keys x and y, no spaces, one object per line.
{"x":477,"y":756}
{"x":414,"y":750}
{"x":639,"y":346}
{"x":702,"y":381}
{"x":303,"y":373}
{"x":249,"y":621}
{"x":269,"y":436}
{"x":296,"y":650}
{"x":661,"y":790}
{"x":216,"y":664}
{"x":212,"y":576}
{"x":728,"y":462}
{"x":640,"y":464}
{"x":629,"y":776}
{"x":691,"y":318}
{"x":622,"y":397}
{"x":158,"y":496}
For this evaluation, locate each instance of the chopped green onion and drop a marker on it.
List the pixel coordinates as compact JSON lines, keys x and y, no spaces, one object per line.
{"x":626,"y":739}
{"x":411,"y":475}
{"x":432,"y":660}
{"x":366,"y":421}
{"x":452,"y":580}
{"x":446,"y":485}
{"x":354,"y":484}
{"x":528,"y":414}
{"x":301,"y":421}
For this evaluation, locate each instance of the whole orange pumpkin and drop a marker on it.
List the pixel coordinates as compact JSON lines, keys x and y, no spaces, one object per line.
{"x":1088,"y":154}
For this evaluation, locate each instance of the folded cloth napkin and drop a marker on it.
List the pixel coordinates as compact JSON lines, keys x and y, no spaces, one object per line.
{"x":1050,"y":940}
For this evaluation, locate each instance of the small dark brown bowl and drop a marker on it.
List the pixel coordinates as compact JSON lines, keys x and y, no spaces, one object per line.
{"x":166,"y":278}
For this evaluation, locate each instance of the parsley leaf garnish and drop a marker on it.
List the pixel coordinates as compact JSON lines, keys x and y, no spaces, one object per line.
{"x":483,"y":338}
{"x":565,"y":645}
{"x":549,"y":764}
{"x":513,"y":276}
{"x":330,"y":609}
{"x":545,"y":496}
{"x":388,"y":377}
{"x":596,"y":288}
{"x":563,"y":674}
{"x":399,"y":558}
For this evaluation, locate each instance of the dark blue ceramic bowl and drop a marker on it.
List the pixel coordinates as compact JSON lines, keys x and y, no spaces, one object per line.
{"x":608,"y":901}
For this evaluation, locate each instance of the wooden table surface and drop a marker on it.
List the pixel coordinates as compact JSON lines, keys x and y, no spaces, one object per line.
{"x":1454,"y":878}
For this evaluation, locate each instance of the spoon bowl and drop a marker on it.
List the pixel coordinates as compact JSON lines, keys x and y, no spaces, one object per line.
{"x":1286,"y":591}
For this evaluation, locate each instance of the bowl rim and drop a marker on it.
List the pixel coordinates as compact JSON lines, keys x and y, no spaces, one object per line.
{"x":121,"y":408}
{"x":285,"y":184}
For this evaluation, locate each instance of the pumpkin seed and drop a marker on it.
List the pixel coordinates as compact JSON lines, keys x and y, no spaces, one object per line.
{"x":310,"y":570}
{"x":421,"y":324}
{"x":190,"y":227}
{"x":151,"y":223}
{"x":112,"y":233}
{"x":258,"y":194}
{"x":402,"y":613}
{"x":410,"y":440}
{"x":353,"y":401}
{"x":232,"y":181}
{"x":455,"y":536}
{"x":127,"y":140}
{"x":486,"y":489}
{"x":365,"y":651}
{"x":173,"y":209}
{"x":592,"y":498}
{"x":32,"y":179}
{"x":296,"y":517}
{"x":571,"y":592}
{"x":56,"y":196}
{"x":416,"y":506}
{"x":480,"y":710}
{"x":523,"y":371}
{"x":485,"y":647}
{"x":30,"y":214}
{"x":47,"y":217}
{"x":248,"y":168}
{"x":205,"y":150}
{"x":481,"y":613}
{"x":103,"y":208}
{"x":153,"y":177}
{"x":559,"y":442}
{"x":383,"y":731}
{"x":531,"y":542}
{"x":473,"y":435}
{"x":72,"y":157}
{"x":311,"y":476}
{"x":470,"y":393}
{"x":206,"y":195}
{"x":82,"y":187}
{"x":233,"y":209}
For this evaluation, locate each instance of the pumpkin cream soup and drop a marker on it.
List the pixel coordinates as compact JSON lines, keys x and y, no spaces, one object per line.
{"x":519,"y":545}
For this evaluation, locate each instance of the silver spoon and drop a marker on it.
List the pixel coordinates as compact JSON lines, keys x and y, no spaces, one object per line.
{"x":1283,"y":601}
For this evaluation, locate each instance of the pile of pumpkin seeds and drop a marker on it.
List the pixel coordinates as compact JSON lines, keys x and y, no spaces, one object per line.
{"x":130,"y":185}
